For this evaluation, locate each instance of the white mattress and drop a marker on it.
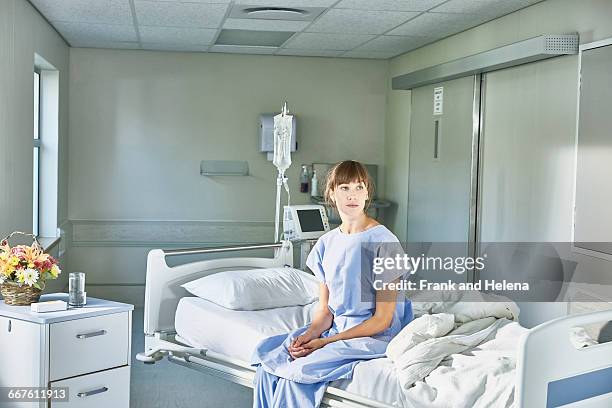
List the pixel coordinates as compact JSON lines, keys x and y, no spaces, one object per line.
{"x":236,"y":334}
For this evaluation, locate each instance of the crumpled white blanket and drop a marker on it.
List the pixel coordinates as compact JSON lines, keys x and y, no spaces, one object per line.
{"x":433,"y":354}
{"x":418,"y":349}
{"x":465,"y":306}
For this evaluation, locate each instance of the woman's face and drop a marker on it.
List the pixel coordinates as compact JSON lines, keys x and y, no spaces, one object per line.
{"x":350,"y":198}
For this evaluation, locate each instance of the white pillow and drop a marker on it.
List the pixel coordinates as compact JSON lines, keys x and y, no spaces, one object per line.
{"x":255,"y":289}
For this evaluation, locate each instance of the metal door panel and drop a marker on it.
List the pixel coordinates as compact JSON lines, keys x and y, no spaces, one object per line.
{"x":442,"y":178}
{"x":440,"y":194}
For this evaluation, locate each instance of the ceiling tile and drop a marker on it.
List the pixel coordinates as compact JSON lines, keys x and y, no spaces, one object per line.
{"x":243,"y":50}
{"x":108,"y":44}
{"x":310,"y":53}
{"x":288,"y":3}
{"x":346,"y":21}
{"x":175,"y":47}
{"x":180,"y":14}
{"x":265,"y":25}
{"x":79,"y":32}
{"x":176,"y":35}
{"x":437,"y":25}
{"x":491,"y":8}
{"x":316,"y":41}
{"x":392,"y":5}
{"x":86,"y":11}
{"x":370,"y":54}
{"x":391,"y":43}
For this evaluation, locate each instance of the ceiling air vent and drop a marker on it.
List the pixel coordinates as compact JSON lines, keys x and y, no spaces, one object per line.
{"x":276,"y":12}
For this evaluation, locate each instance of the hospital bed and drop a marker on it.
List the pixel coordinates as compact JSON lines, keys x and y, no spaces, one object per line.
{"x":550,"y":372}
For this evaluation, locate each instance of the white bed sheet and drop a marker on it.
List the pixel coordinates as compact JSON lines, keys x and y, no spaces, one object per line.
{"x":470,"y":379}
{"x":236,"y":333}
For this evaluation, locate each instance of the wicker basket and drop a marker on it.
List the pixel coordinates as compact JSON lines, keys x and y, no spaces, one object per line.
{"x":14,"y":294}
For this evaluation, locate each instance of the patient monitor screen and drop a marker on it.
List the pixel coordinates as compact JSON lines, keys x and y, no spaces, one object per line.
{"x":310,"y":220}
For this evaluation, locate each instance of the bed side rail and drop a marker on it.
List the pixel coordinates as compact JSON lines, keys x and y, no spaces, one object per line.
{"x":546,"y":355}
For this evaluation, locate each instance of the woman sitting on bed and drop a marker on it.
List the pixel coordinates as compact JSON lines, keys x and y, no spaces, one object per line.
{"x":354,"y":322}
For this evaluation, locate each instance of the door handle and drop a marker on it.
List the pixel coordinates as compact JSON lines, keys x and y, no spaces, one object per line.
{"x":436,"y":152}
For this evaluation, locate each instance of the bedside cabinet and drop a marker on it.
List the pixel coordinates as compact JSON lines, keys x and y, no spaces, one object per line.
{"x":84,"y":349}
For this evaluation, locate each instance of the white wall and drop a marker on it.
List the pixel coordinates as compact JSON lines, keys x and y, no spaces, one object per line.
{"x":23,"y":32}
{"x":397,"y":140}
{"x":141,"y":122}
{"x":527,"y":194}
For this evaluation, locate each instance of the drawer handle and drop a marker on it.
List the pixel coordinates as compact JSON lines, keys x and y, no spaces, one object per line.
{"x":93,"y":392}
{"x":92,"y":334}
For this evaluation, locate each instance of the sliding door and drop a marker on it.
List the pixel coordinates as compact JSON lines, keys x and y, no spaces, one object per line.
{"x":443,"y":154}
{"x":528,"y":164}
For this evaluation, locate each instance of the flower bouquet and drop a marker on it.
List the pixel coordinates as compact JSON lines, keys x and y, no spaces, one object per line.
{"x":24,"y":270}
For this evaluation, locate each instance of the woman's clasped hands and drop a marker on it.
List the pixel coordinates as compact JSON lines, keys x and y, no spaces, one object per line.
{"x":305,"y":344}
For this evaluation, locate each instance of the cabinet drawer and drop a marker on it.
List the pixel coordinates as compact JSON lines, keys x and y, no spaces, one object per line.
{"x":104,"y":389}
{"x":86,"y":345}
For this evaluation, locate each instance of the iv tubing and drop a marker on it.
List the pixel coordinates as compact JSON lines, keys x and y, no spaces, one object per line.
{"x":279,"y":182}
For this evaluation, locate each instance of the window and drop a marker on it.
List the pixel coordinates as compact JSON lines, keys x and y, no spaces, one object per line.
{"x":46,"y":145}
{"x":36,"y":178}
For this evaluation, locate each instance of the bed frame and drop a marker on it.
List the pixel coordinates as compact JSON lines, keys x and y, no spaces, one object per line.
{"x":546,"y":366}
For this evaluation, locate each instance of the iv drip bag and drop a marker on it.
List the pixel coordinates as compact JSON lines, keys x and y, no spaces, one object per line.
{"x":282,"y":141}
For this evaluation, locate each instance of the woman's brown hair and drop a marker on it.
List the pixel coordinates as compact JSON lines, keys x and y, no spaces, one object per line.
{"x":345,"y":172}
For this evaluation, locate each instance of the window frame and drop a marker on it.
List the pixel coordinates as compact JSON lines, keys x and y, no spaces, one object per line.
{"x":37,"y":147}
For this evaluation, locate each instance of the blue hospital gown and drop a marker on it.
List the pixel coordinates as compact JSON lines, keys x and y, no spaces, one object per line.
{"x":336,"y":259}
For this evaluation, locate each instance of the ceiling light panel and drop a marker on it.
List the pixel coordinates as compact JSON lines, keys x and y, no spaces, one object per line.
{"x":437,"y":25}
{"x":86,"y":11}
{"x":177,"y":35}
{"x":180,"y":14}
{"x":344,"y":21}
{"x":233,"y":49}
{"x":390,"y":5}
{"x":264,"y":25}
{"x":96,"y":32}
{"x":253,"y":38}
{"x":316,"y":41}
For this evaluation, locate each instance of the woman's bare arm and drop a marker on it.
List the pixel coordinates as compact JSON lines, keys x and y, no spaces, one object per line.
{"x":380,"y":321}
{"x":322,"y":320}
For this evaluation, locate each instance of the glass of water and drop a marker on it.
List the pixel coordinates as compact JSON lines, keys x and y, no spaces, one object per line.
{"x":77,"y":297}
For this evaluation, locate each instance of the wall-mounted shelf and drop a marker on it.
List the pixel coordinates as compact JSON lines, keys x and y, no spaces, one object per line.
{"x":211,"y":168}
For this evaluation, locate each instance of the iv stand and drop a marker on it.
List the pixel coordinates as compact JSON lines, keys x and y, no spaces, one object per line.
{"x":281,"y":180}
